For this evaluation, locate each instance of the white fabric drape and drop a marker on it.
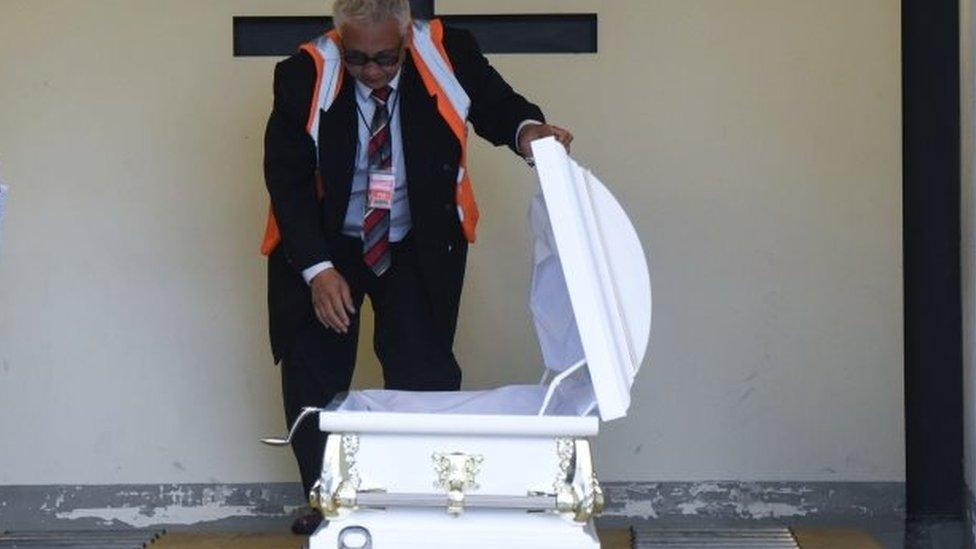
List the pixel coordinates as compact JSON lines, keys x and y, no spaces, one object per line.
{"x":559,"y":339}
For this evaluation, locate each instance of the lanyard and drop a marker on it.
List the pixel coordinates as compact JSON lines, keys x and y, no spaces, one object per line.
{"x":389,"y":120}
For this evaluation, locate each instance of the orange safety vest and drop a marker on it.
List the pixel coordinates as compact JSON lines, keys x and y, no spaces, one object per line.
{"x":428,"y":53}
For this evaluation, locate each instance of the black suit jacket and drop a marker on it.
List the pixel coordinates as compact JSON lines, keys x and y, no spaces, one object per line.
{"x":310,"y":228}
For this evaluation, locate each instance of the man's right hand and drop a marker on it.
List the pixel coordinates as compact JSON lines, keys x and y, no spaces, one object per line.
{"x":332,"y":300}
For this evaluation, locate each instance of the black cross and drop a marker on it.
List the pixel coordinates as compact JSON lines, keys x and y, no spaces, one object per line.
{"x":528,"y":33}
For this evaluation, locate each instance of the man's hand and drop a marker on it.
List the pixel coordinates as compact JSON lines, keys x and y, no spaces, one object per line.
{"x":531,"y":132}
{"x":332,"y":300}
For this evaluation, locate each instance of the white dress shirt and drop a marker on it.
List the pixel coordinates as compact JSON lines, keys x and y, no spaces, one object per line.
{"x":400,"y":207}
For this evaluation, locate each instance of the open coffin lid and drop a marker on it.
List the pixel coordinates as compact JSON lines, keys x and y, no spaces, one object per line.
{"x":591,"y":303}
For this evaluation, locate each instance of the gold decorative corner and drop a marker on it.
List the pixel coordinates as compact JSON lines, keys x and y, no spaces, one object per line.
{"x":334,"y":494}
{"x":578,"y":493}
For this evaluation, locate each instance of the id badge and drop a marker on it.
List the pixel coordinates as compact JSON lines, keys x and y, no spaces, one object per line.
{"x":381,"y":185}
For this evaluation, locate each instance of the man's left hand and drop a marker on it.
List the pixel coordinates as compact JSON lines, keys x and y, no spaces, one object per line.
{"x":531,"y":132}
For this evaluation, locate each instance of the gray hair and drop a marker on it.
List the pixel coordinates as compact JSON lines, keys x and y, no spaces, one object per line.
{"x":375,"y":11}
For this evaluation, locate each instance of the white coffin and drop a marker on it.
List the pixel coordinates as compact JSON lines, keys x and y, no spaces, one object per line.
{"x":510,"y":467}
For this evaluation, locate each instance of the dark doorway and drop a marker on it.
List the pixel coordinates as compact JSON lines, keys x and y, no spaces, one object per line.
{"x":933,"y":314}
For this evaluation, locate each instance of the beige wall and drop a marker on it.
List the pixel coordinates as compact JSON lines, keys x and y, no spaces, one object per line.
{"x":755,"y":143}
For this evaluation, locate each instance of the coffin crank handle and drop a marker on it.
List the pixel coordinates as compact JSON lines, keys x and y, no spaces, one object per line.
{"x":307,"y":411}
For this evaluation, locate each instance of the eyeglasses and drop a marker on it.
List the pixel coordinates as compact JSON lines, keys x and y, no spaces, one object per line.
{"x":386,"y":58}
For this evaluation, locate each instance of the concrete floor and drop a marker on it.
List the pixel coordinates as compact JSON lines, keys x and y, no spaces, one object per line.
{"x":834,"y":538}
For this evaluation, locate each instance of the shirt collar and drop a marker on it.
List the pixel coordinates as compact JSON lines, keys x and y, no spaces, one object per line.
{"x":365,"y":91}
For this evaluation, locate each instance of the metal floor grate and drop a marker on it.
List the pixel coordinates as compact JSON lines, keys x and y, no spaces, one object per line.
{"x":645,"y":538}
{"x":80,"y":539}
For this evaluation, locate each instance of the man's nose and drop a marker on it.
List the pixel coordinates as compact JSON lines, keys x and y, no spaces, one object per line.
{"x":371,"y":68}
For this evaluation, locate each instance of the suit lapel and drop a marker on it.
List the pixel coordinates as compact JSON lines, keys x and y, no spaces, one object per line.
{"x":338,"y":137}
{"x":419,"y":125}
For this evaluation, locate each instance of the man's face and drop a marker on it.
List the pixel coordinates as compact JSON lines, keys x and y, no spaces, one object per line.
{"x":379,"y":42}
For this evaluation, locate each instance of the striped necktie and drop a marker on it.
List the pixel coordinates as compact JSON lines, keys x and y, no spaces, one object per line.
{"x":376,"y":224}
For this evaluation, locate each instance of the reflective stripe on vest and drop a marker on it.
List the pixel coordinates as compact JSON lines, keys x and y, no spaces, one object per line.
{"x":453,"y":103}
{"x":428,"y":54}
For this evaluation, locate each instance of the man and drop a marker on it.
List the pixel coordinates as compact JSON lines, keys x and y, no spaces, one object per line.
{"x":376,"y":117}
